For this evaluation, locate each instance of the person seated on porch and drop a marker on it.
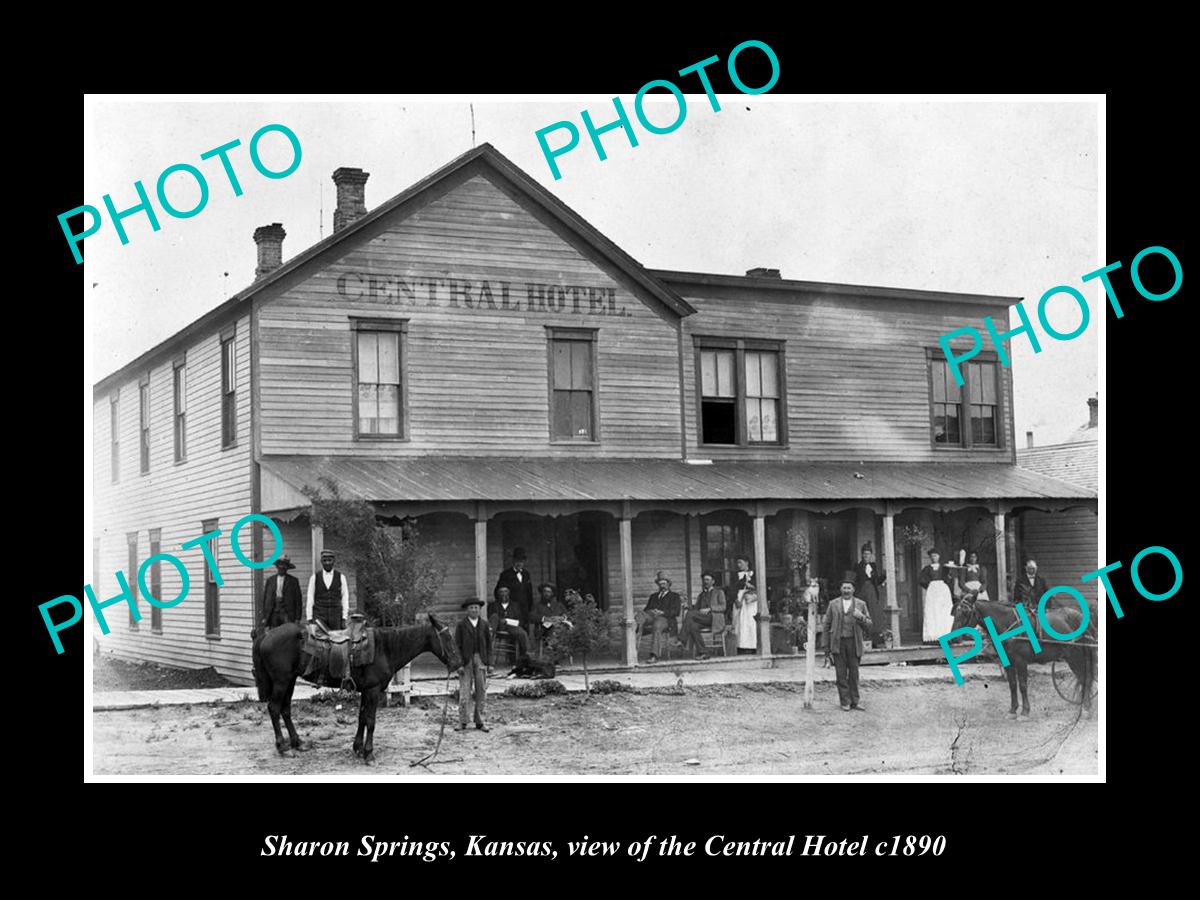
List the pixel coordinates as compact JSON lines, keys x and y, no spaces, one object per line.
{"x":548,"y":612}
{"x":507,"y":618}
{"x":660,"y":617}
{"x":708,"y":614}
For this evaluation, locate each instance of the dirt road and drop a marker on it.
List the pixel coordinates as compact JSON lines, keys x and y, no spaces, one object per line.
{"x":907,"y":728}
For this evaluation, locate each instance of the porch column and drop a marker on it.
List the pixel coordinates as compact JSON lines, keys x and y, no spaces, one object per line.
{"x":889,"y":571}
{"x":318,"y":544}
{"x":1001,"y":553}
{"x":1014,"y":559}
{"x":481,"y":572}
{"x":626,"y":524}
{"x":760,"y":574}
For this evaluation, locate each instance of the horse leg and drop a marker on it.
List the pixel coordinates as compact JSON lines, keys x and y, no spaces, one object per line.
{"x":370,"y":702}
{"x":1023,"y":680}
{"x":275,"y":707}
{"x":1011,"y":674}
{"x":294,"y":738}
{"x":362,"y":724}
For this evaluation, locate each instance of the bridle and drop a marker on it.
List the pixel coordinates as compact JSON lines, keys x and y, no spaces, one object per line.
{"x":441,"y":632}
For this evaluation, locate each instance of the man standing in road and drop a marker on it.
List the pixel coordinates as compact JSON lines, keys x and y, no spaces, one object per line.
{"x":847,"y":622}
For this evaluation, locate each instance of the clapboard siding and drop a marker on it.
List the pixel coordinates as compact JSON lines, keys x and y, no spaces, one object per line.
{"x":857,"y":372}
{"x":1066,"y":546}
{"x":477,"y":378}
{"x":211,"y":484}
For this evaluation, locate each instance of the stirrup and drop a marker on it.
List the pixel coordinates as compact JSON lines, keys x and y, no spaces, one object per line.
{"x":348,"y":680}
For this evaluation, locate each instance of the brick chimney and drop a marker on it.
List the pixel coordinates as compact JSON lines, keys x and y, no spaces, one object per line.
{"x":763,"y":273}
{"x":270,"y":249}
{"x":1028,"y":440}
{"x":1093,"y":412}
{"x":351,"y":196}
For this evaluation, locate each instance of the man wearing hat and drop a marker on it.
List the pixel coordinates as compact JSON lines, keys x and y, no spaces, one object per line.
{"x":847,"y":623}
{"x":328,"y":597}
{"x":281,"y":596}
{"x":474,"y":640}
{"x":660,"y":617}
{"x":519,"y":584}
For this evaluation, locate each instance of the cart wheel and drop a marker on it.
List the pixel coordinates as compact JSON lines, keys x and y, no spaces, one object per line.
{"x":1068,"y":686}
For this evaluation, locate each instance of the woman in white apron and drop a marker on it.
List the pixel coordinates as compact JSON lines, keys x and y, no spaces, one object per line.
{"x":939,"y":602}
{"x":974,"y":577}
{"x":745,"y":607}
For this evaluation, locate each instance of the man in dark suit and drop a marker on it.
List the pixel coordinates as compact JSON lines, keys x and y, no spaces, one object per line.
{"x":660,"y":617}
{"x":1029,"y":588}
{"x":847,"y":623}
{"x":519,"y":584}
{"x":548,"y":612}
{"x":508,"y":618}
{"x":281,"y":600}
{"x":474,"y":640}
{"x":709,"y":612}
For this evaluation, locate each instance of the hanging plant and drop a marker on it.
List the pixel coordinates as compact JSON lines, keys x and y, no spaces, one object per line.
{"x":797,"y":548}
{"x":914,"y":535}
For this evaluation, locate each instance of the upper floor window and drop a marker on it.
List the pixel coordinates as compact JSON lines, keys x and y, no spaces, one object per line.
{"x":114,"y":434}
{"x":970,"y":415}
{"x":180,"y":394}
{"x":144,"y":422}
{"x":742,"y":400}
{"x":379,"y":384}
{"x":228,"y":388}
{"x":572,"y":384}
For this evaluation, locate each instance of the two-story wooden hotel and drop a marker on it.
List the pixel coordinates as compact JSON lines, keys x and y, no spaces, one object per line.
{"x":474,"y":354}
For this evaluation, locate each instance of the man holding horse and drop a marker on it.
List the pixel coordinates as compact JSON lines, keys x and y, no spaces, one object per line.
{"x":474,"y":640}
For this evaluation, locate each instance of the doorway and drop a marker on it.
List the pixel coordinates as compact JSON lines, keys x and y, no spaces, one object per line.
{"x":568,"y":551}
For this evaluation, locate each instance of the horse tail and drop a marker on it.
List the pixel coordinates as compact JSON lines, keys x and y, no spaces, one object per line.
{"x":261,"y":679}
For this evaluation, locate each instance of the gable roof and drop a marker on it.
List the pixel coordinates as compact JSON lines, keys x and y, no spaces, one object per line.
{"x":485,"y":155}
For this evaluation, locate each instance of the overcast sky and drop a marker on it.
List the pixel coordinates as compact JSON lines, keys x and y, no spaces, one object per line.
{"x":992,"y":198}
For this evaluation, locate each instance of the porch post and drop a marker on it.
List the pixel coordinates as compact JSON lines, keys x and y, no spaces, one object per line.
{"x":626,"y":523}
{"x":760,"y":570}
{"x":481,"y":572}
{"x":889,"y":571}
{"x":1001,"y":553}
{"x":318,"y":544}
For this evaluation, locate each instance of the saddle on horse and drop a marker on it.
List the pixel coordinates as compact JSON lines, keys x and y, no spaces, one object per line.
{"x":332,"y":653}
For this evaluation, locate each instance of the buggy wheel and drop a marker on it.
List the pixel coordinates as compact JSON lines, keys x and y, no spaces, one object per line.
{"x":1068,"y":686}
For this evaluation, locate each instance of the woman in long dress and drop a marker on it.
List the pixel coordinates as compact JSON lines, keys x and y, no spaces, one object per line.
{"x":939,"y":602}
{"x":745,"y":607}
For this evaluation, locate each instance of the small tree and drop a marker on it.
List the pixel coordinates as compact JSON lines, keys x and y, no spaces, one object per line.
{"x":398,"y":574}
{"x":586,"y":635}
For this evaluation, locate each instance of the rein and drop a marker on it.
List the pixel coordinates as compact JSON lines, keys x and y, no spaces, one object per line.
{"x":428,"y":758}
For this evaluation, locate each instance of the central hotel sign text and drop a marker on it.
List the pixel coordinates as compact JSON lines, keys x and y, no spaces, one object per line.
{"x":482,"y":296}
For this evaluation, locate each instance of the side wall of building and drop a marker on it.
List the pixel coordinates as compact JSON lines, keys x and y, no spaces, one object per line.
{"x":176,"y":497}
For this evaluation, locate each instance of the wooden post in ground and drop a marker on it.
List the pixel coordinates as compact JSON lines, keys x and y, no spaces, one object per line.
{"x":810,"y":654}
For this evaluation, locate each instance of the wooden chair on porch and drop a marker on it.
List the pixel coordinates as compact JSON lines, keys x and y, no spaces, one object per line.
{"x":505,"y":648}
{"x":714,"y":639}
{"x":669,"y":640}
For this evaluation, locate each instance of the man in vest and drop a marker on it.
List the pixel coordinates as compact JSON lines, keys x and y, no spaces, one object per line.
{"x":328,"y":597}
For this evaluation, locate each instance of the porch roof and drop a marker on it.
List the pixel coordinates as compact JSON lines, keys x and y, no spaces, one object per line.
{"x":496,"y":479}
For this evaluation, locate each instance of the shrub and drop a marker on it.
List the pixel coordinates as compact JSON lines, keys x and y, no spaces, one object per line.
{"x":535,"y":690}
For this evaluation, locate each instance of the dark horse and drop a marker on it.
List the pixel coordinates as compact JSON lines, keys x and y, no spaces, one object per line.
{"x":279,"y":659}
{"x":970,"y":613}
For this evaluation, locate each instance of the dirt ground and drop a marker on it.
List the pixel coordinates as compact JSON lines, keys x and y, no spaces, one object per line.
{"x":112,"y":674}
{"x":906,"y":729}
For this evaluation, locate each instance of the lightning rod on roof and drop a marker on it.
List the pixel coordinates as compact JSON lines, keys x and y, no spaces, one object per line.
{"x":472,"y":106}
